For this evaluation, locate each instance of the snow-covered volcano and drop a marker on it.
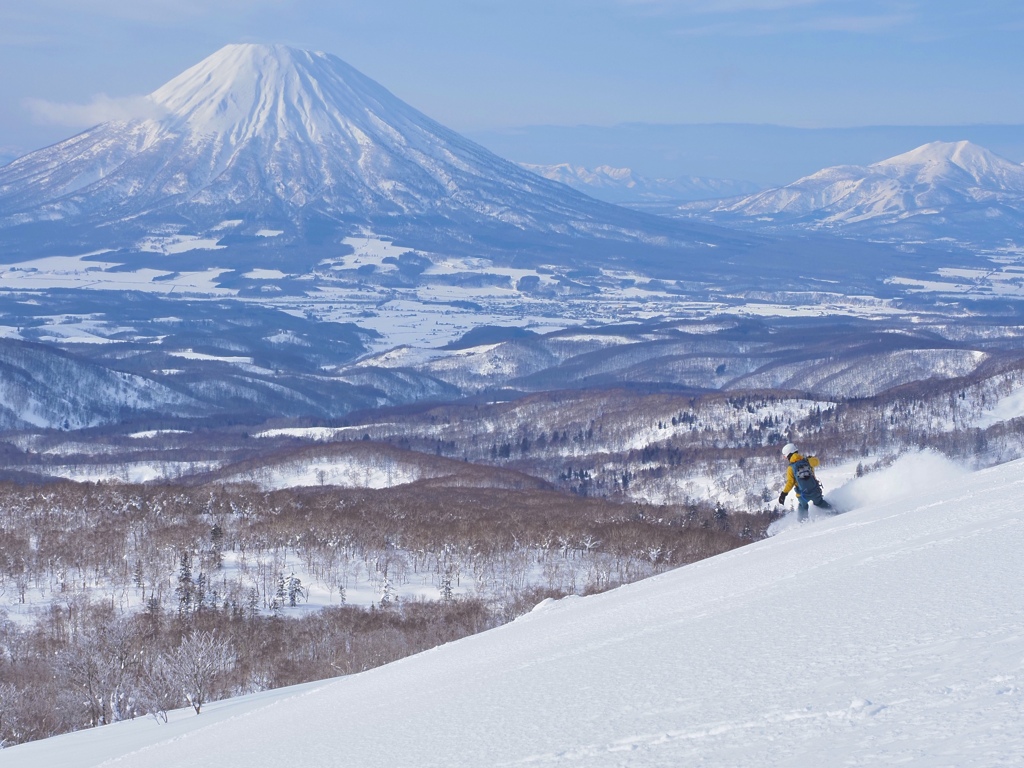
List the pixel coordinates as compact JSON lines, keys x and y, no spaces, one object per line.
{"x":271,"y":137}
{"x":940,"y":189}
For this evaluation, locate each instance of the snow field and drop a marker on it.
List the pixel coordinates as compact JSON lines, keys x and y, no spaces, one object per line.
{"x":172,"y":244}
{"x":131,"y":471}
{"x":351,"y":581}
{"x":343,"y":471}
{"x":369,"y":249}
{"x":362,"y":586}
{"x":1009,"y":407}
{"x":76,"y":272}
{"x":893,"y":634}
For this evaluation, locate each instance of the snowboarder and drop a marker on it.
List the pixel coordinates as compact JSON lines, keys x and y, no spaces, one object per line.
{"x":800,"y":475}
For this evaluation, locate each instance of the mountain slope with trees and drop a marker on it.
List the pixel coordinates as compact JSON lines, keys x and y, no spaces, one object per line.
{"x":889,"y":634}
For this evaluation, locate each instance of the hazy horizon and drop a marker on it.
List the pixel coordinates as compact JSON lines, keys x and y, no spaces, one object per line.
{"x":765,"y":154}
{"x":489,"y":66}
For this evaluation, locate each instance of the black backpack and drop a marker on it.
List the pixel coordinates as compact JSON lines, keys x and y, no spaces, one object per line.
{"x":806,"y":483}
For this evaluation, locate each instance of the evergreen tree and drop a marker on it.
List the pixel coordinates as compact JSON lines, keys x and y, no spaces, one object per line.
{"x":295,"y":590}
{"x":185,"y":589}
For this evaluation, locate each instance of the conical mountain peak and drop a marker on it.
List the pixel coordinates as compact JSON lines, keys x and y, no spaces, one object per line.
{"x":246,"y":90}
{"x":954,"y":160}
{"x":941,"y":151}
{"x":269,"y":133}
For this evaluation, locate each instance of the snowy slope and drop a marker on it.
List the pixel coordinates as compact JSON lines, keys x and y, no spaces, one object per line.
{"x":43,"y":387}
{"x":932,"y":186}
{"x":893,"y":634}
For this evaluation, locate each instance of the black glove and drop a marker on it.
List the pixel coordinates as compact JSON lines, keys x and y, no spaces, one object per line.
{"x":782,"y":498}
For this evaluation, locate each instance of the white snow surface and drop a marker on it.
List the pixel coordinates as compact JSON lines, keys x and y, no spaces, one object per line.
{"x":343,"y":471}
{"x":1009,"y":407}
{"x":892,"y":634}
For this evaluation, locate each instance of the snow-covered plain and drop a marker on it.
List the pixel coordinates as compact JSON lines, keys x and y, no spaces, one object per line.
{"x":428,"y":315}
{"x":892,"y":634}
{"x":432,"y":314}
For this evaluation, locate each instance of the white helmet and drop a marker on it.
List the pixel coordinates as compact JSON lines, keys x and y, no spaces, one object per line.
{"x":787,"y":449}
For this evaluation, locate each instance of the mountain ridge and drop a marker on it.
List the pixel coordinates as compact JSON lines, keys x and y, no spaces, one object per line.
{"x":939,"y":189}
{"x":623,"y":185}
{"x":767,"y":155}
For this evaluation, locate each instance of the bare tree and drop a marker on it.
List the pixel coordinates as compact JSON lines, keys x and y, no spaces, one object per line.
{"x":9,"y":706}
{"x":198,"y":666}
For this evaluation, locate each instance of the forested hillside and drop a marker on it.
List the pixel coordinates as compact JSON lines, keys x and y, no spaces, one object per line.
{"x":711,"y":448}
{"x":275,"y":588}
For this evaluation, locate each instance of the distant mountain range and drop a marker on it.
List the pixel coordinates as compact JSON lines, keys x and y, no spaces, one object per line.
{"x":260,"y":139}
{"x":43,"y":388}
{"x":942,"y":190}
{"x":135,"y":357}
{"x":259,"y":365}
{"x":767,"y":155}
{"x":622,"y":185}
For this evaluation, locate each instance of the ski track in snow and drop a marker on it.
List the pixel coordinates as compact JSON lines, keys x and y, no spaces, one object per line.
{"x":888,"y":635}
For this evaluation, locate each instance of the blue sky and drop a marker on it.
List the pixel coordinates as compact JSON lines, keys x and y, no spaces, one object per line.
{"x":488,"y":64}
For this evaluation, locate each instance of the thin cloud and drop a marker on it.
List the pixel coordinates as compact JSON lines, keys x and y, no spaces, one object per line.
{"x":101,"y":109}
{"x":933,"y":21}
{"x":863,"y":24}
{"x":149,"y":12}
{"x":763,"y":28}
{"x":711,"y":7}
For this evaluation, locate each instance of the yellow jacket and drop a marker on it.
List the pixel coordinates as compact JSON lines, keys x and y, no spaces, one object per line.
{"x":790,"y":480}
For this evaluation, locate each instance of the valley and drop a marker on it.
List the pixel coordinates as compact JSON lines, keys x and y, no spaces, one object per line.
{"x":660,"y":413}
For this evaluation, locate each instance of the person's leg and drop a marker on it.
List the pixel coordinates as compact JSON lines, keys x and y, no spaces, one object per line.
{"x":820,"y":502}
{"x":802,"y":508}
